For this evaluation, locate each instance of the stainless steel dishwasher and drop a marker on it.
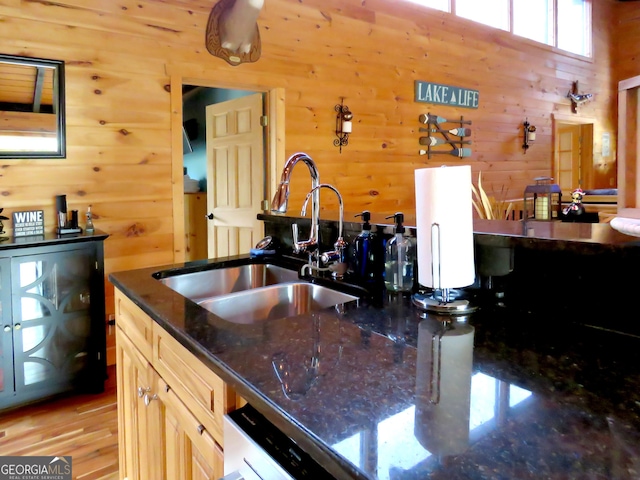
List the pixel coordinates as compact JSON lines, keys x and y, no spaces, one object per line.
{"x":254,"y":449}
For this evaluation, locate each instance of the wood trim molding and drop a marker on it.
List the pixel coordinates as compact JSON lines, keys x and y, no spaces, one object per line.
{"x":177,"y":183}
{"x":628,"y":151}
{"x":275,"y":140}
{"x":572,"y":118}
{"x":628,"y":83}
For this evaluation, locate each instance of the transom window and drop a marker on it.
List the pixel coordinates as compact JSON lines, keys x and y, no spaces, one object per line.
{"x":565,"y":24}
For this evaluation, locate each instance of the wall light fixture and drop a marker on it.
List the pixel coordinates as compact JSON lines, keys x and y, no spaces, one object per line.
{"x":529,"y":135}
{"x":344,"y":125}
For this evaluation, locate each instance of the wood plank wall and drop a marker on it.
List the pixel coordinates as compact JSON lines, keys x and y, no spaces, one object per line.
{"x":627,"y":41}
{"x":368,"y":51}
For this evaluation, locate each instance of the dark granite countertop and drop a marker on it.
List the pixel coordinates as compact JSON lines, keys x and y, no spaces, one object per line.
{"x":521,"y":395}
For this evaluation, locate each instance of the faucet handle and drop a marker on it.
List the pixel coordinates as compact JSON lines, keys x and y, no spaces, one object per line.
{"x":331,"y":257}
{"x":303,"y":245}
{"x":335,"y":259}
{"x":337,"y":255}
{"x":340,"y":244}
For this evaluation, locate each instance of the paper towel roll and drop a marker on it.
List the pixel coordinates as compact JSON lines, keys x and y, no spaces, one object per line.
{"x":444,"y":367}
{"x":443,"y":204}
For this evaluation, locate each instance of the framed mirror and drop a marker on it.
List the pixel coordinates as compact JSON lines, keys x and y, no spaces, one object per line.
{"x":32,"y":108}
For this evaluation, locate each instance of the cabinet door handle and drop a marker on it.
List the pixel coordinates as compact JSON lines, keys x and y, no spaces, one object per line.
{"x":7,"y":328}
{"x":209,"y":216}
{"x":142,"y":391}
{"x":17,"y":326}
{"x":149,"y":398}
{"x":200,"y":429}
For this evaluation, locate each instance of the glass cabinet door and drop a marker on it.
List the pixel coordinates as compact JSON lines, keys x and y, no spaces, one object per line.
{"x":51,"y":318}
{"x":6,"y":330}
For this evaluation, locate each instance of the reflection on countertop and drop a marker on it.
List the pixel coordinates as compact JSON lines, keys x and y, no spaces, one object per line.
{"x":387,"y":392}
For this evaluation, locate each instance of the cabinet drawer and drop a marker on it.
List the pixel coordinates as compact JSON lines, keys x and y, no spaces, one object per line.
{"x":135,"y":324}
{"x":201,"y":390}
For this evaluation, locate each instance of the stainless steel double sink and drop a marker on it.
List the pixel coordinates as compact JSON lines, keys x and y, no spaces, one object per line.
{"x":254,"y":293}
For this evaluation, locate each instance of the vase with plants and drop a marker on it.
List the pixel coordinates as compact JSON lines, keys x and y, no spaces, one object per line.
{"x":489,"y":207}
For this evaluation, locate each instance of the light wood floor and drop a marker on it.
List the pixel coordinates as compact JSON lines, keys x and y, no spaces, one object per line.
{"x":83,"y":426}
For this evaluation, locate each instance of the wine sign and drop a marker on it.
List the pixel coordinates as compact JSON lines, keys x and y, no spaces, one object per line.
{"x":27,"y":223}
{"x":428,"y":92}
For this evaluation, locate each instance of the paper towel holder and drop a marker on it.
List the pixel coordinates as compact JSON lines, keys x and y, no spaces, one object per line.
{"x":443,"y":300}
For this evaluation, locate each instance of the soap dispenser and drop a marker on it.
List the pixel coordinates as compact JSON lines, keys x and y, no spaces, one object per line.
{"x":399,"y":259}
{"x":88,"y":226}
{"x":364,"y":258}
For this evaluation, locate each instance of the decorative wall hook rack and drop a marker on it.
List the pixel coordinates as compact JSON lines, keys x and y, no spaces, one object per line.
{"x":435,"y":125}
{"x":344,"y":125}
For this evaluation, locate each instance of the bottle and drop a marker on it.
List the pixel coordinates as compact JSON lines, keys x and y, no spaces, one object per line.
{"x":364,"y":258}
{"x":399,"y":259}
{"x":88,"y":226}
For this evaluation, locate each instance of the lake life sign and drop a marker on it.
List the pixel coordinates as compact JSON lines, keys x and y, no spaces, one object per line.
{"x":30,"y":222}
{"x":428,"y":92}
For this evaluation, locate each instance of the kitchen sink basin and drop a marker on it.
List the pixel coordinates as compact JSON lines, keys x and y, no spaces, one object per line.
{"x":275,"y":301}
{"x":205,"y":284}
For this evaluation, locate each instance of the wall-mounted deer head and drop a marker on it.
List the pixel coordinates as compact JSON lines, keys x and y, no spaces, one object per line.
{"x":232,"y":31}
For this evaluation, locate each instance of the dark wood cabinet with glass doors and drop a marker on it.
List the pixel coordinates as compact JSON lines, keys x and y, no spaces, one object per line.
{"x":52,"y":316}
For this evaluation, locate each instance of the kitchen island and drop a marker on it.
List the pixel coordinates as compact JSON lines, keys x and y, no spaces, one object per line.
{"x":546,"y":395}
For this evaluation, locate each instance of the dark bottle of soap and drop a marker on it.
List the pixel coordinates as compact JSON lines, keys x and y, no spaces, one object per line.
{"x":364,"y":261}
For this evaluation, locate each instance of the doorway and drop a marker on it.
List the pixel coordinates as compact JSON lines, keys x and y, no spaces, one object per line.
{"x":223,"y":167}
{"x":573,"y":154}
{"x":273,"y":147}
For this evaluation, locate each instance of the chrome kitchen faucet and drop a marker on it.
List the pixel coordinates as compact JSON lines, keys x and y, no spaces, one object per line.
{"x":280,"y":199}
{"x":335,"y":259}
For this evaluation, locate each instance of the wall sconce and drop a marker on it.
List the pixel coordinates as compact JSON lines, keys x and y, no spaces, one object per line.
{"x":529,"y":135}
{"x":343,"y":125}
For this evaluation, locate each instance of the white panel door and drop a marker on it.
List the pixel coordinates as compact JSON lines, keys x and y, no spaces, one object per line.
{"x":235,"y":175}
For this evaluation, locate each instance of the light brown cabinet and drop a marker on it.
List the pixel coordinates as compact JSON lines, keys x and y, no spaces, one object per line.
{"x":170,"y":405}
{"x":195,"y":226}
{"x":140,"y":414}
{"x":191,"y":452}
